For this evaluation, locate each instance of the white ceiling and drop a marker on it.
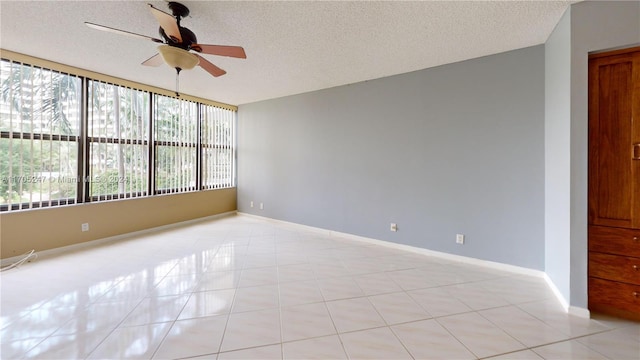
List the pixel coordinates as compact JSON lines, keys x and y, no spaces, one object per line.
{"x":292,"y":47}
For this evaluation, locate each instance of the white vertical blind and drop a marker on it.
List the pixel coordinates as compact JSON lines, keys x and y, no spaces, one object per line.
{"x":118,"y":123}
{"x":218,"y":147}
{"x":176,"y":144}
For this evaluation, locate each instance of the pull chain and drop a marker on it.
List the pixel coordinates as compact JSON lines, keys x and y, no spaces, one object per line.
{"x":178,"y":82}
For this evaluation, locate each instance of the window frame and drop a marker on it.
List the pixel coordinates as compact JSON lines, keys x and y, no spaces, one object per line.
{"x":47,"y":107}
{"x":229,"y":144}
{"x":84,"y":140}
{"x":90,"y":139}
{"x":177,"y":143}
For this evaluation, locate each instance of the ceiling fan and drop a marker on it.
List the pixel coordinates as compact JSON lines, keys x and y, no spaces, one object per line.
{"x":178,"y":42}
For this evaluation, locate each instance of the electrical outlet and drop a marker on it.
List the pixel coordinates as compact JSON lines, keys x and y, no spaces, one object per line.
{"x":251,"y":204}
{"x":459,"y":239}
{"x":393,"y":227}
{"x":84,"y":227}
{"x":261,"y":206}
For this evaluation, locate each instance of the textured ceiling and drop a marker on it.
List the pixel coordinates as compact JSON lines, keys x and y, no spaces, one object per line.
{"x":292,"y":47}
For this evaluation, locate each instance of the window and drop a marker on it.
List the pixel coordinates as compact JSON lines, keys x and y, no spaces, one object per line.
{"x":218,"y":144}
{"x":39,"y":127}
{"x":67,"y":138}
{"x":118,"y":139}
{"x":176,"y":143}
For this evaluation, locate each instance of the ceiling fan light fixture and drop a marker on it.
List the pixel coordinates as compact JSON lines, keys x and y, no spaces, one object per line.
{"x":178,"y":58}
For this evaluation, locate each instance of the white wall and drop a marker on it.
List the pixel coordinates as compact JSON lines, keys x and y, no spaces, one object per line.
{"x":557,"y":136}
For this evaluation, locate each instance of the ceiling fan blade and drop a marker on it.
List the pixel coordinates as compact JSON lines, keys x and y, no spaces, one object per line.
{"x":121,"y":32}
{"x":222,"y":50}
{"x":168,"y":23}
{"x":209,"y":67}
{"x":155,"y":60}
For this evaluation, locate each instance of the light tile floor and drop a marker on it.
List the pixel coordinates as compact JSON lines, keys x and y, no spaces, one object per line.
{"x":241,"y":287}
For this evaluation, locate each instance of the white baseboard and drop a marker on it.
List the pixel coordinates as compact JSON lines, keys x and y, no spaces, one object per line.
{"x":578,"y":311}
{"x":573,"y":310}
{"x":452,"y":257}
{"x":464,"y":259}
{"x":557,"y":293}
{"x":287,"y":223}
{"x":422,"y":251}
{"x":91,"y":243}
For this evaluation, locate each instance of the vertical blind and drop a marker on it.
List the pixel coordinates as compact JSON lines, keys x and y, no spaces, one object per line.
{"x":118,"y":136}
{"x":218,"y":144}
{"x":68,"y":139}
{"x":176,"y":143}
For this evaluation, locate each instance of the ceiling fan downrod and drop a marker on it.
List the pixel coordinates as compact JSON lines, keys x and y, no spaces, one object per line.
{"x":178,"y":81}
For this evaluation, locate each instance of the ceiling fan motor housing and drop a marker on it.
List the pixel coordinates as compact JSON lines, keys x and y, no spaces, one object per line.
{"x":188,"y":38}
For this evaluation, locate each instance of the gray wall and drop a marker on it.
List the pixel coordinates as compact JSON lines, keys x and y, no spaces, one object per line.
{"x":453,"y":149}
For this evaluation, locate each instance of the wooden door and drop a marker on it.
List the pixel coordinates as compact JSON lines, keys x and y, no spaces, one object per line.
{"x":614,"y":140}
{"x":614,"y":183}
